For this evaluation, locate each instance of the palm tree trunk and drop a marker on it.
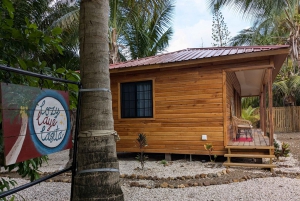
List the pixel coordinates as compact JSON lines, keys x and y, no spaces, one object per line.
{"x":97,"y":156}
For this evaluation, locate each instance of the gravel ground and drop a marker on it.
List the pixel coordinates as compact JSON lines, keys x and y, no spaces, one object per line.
{"x":272,"y":188}
{"x":276,"y":187}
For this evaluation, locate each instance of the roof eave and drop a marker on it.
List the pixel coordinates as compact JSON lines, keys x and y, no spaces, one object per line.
{"x":196,"y":62}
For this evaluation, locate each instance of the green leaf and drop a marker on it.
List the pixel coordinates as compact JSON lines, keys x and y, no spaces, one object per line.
{"x":27,"y":21}
{"x":56,"y":31}
{"x":76,"y":76}
{"x":36,"y":34}
{"x":60,"y":49}
{"x":16,"y":34}
{"x":10,"y":8}
{"x":9,"y":22}
{"x":60,"y":70}
{"x":43,"y":64}
{"x":33,"y":26}
{"x":22,"y":64}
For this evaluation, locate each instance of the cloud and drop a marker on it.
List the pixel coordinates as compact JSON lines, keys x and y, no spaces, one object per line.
{"x":192,"y":24}
{"x":191,"y":36}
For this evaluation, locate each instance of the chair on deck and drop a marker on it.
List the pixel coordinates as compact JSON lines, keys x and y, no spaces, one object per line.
{"x":241,"y":126}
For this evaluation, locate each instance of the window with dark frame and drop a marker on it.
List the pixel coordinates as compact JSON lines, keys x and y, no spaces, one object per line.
{"x":136,"y":100}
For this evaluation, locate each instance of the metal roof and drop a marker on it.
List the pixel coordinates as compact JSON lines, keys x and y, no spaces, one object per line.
{"x":195,"y":53}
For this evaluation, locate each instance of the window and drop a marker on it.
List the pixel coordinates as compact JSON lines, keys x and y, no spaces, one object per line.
{"x":136,"y":100}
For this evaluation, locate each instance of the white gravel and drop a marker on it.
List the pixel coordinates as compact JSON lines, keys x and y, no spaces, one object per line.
{"x":271,"y":188}
{"x":46,"y":191}
{"x":173,"y":169}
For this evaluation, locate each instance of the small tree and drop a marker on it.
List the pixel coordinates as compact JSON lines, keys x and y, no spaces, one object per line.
{"x":209,"y":148}
{"x":142,"y":143}
{"x":220,"y":33}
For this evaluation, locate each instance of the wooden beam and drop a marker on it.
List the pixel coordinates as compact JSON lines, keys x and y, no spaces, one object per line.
{"x":250,"y":68}
{"x":261,"y":110}
{"x":225,"y":109}
{"x":265,"y":110}
{"x":271,"y":126}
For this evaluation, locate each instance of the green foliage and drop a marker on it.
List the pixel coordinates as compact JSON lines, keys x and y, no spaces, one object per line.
{"x":23,"y":45}
{"x":250,"y":114}
{"x":164,"y":162}
{"x":209,"y":147}
{"x":139,"y":28}
{"x":142,"y":143}
{"x":220,"y":33}
{"x":28,"y":168}
{"x":250,"y":101}
{"x":287,"y":89}
{"x":48,"y":15}
{"x":5,"y":186}
{"x":281,"y":151}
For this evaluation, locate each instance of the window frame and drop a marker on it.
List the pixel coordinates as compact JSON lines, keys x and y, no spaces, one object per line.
{"x":120,"y":100}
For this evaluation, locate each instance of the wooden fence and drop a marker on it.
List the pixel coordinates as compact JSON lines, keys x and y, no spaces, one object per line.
{"x":286,"y":119}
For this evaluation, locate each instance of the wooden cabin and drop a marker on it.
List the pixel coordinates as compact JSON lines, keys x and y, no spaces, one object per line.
{"x":185,"y":99}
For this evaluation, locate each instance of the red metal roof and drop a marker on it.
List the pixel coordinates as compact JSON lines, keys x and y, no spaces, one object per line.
{"x":195,"y":53}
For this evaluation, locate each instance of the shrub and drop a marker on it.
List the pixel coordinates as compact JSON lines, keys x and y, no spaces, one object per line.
{"x":142,"y":143}
{"x":282,"y":151}
{"x":164,"y":162}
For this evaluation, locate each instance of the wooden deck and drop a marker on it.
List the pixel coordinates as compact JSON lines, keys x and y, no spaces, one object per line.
{"x":258,"y":140}
{"x":258,"y":148}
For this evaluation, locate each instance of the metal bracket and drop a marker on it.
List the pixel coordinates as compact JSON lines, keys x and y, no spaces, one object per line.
{"x":95,"y":89}
{"x":99,"y":170}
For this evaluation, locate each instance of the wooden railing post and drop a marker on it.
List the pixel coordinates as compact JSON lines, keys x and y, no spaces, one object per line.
{"x":264,"y":110}
{"x":270,"y":105}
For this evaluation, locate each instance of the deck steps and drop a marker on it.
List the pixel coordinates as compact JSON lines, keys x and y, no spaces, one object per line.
{"x":249,"y":156}
{"x":250,"y":152}
{"x":249,"y":147}
{"x":250,"y":165}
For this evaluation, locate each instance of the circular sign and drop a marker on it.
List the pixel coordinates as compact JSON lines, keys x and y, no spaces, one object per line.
{"x":49,"y":122}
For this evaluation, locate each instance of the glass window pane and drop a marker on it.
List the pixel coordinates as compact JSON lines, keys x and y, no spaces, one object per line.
{"x":136,"y":99}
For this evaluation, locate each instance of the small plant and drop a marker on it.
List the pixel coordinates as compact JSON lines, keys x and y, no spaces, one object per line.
{"x":164,"y":162}
{"x":142,"y":143}
{"x":209,"y":148}
{"x":6,"y":185}
{"x":283,"y":151}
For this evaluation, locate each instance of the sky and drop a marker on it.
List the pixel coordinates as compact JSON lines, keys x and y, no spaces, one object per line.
{"x":192,"y":24}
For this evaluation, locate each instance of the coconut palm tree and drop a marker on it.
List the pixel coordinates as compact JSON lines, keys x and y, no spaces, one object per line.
{"x":251,"y":115}
{"x":97,"y":176}
{"x":288,"y":89}
{"x":139,"y":28}
{"x":250,"y":101}
{"x":278,"y":19}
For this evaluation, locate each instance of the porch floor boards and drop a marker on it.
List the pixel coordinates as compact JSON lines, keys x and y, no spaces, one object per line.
{"x":258,"y":140}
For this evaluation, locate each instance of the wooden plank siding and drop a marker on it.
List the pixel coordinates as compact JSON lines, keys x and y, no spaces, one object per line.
{"x":188,"y":104}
